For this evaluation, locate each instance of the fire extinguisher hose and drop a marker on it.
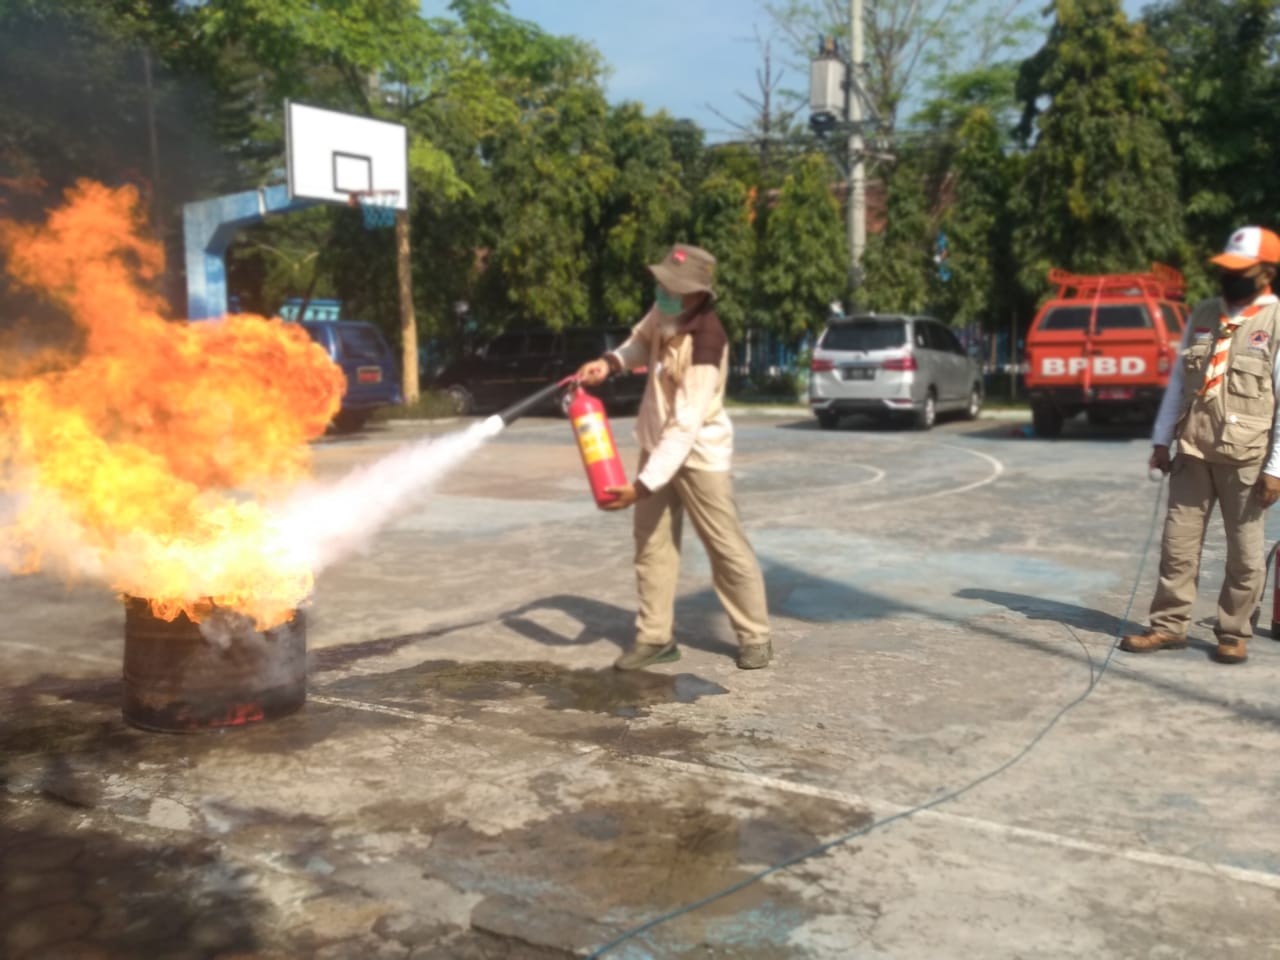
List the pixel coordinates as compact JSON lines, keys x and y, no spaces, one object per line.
{"x":521,"y":407}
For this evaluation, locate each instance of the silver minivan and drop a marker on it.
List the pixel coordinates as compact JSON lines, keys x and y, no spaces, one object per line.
{"x":892,"y":367}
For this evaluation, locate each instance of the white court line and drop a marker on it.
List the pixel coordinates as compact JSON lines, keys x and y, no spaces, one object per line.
{"x":389,"y":711}
{"x":883,"y":808}
{"x":997,"y":470}
{"x":877,"y":476}
{"x":36,"y":648}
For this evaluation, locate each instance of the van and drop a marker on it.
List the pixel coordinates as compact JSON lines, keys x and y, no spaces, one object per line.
{"x":517,"y":363}
{"x":901,"y":368}
{"x":373,"y":376}
{"x":1105,"y":345}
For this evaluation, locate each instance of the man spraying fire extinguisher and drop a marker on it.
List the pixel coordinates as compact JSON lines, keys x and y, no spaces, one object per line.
{"x":686,"y":443}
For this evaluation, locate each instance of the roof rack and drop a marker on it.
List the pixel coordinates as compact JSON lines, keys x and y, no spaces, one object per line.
{"x":1162,"y":282}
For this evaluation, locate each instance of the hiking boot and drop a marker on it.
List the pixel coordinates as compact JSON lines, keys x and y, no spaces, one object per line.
{"x":646,"y":655}
{"x":753,"y":656}
{"x":1231,"y":651}
{"x":1151,"y":641}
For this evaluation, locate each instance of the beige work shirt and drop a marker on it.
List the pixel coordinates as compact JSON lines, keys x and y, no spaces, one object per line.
{"x":682,"y":420}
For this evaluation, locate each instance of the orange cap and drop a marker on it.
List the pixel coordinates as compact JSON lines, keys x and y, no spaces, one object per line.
{"x":1248,"y":247}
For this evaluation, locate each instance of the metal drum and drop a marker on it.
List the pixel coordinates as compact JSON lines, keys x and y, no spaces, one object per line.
{"x":185,"y":677}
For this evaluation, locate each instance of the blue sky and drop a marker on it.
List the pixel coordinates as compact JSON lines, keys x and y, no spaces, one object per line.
{"x":677,"y":55}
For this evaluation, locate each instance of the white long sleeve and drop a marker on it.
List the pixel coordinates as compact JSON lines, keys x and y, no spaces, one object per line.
{"x":1171,"y":402}
{"x":635,"y":352}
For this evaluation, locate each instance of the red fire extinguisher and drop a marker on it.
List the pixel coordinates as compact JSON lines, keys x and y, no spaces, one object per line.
{"x":595,"y":443}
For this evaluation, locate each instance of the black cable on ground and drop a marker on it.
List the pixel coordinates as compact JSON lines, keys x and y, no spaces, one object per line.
{"x":1095,"y":678}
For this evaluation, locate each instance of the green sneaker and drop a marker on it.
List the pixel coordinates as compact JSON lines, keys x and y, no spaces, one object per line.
{"x":755,"y":655}
{"x":646,"y":655}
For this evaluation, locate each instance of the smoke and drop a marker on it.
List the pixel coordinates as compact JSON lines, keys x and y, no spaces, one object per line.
{"x":318,"y":525}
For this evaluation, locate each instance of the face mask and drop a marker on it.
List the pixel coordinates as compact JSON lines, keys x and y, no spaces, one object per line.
{"x":668,"y":303}
{"x":1238,"y":287}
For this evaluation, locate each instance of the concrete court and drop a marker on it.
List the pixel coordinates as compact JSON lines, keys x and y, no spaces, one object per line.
{"x":470,"y":780}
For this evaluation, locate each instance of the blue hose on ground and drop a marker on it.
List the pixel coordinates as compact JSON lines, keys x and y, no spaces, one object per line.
{"x":1095,"y":678}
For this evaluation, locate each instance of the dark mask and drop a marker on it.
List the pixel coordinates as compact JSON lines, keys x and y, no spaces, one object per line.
{"x":1238,"y":287}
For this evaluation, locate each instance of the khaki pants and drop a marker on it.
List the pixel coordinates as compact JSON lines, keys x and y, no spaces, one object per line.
{"x":1194,"y":487}
{"x":707,"y":496}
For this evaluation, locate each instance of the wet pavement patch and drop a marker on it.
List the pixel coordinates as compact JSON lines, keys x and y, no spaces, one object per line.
{"x":68,"y":893}
{"x":617,"y":864}
{"x":624,"y":738}
{"x":628,"y":694}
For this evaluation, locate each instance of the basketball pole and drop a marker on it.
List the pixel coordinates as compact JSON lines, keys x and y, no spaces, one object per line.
{"x":408,"y":319}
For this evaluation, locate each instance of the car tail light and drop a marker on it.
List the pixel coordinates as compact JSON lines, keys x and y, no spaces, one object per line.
{"x":901,"y":363}
{"x":1162,"y":364}
{"x":821,"y":366}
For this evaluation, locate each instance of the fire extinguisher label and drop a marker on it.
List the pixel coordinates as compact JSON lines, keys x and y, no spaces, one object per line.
{"x":594,"y":439}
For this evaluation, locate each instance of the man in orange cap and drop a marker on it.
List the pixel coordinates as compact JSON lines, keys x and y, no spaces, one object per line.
{"x":686,"y":441}
{"x":1219,"y":416}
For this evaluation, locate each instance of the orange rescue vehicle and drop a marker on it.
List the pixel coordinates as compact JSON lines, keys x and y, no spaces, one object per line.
{"x":1104,"y":344}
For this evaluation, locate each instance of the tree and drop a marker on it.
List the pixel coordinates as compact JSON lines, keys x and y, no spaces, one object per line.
{"x":1100,"y":188}
{"x":722,"y":224}
{"x":113,"y":90}
{"x":771,"y":126}
{"x":1223,"y":67}
{"x":644,"y":205}
{"x":897,"y":262}
{"x":978,"y":226}
{"x":804,"y":257}
{"x":550,"y":174}
{"x":969,"y":124}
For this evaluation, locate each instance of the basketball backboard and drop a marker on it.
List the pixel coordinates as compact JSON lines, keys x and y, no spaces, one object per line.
{"x":336,"y":157}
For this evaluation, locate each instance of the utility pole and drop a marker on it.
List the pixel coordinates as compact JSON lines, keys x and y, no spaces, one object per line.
{"x":839,"y":108}
{"x":857,"y":206}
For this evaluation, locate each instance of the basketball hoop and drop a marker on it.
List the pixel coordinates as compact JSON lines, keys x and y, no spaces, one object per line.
{"x":377,"y":207}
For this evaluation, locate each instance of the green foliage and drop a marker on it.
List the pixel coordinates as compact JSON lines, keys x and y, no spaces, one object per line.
{"x":643,"y":205}
{"x":1100,"y":188}
{"x":897,"y":260}
{"x":804,"y":257}
{"x":77,"y":101}
{"x":722,"y":224}
{"x":535,"y":200}
{"x":1223,"y":66}
{"x":978,"y":225}
{"x":551,"y":172}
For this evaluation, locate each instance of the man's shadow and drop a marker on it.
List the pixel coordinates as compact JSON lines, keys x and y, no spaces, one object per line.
{"x":1070,"y":614}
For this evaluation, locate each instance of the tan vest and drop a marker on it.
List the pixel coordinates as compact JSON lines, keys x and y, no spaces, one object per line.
{"x":1235,"y":425}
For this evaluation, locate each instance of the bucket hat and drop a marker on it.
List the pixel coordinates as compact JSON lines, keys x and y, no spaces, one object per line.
{"x":686,"y":269}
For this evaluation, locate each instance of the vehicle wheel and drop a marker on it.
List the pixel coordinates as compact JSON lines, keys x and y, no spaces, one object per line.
{"x":1098,"y":418}
{"x":975,"y":403}
{"x":1046,"y":421}
{"x":927,"y":415}
{"x":460,"y":398}
{"x":350,"y":421}
{"x":828,"y":420}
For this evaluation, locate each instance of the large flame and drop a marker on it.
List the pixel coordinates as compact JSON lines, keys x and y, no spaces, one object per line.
{"x":143,"y":456}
